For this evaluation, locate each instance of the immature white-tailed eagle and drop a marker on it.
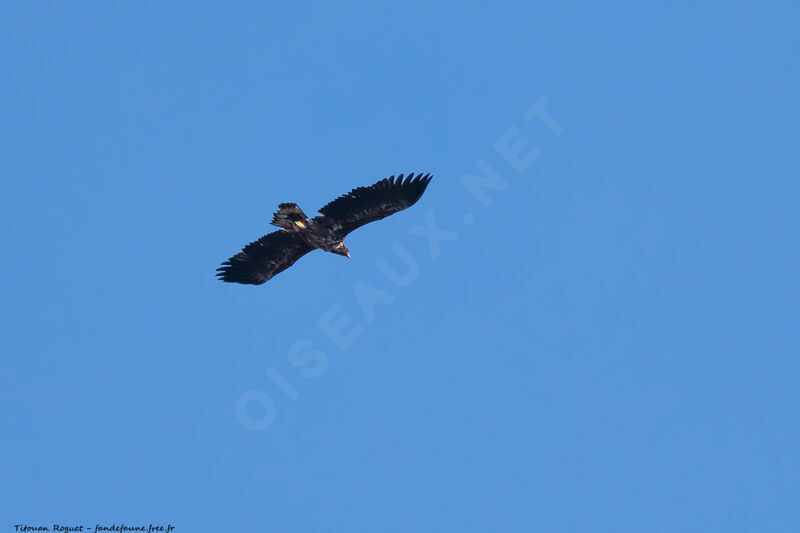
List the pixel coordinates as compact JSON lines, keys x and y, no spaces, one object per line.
{"x":277,"y":251}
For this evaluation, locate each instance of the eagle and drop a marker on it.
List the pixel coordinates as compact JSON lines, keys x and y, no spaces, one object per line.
{"x":273,"y":253}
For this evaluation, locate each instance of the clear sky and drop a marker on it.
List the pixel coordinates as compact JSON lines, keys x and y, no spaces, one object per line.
{"x":587,"y":323}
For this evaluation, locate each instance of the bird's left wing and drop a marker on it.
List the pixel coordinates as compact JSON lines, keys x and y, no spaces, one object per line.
{"x":368,"y":204}
{"x":262,"y":259}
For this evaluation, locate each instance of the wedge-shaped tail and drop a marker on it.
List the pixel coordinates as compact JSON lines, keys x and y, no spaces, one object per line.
{"x":290,"y":217}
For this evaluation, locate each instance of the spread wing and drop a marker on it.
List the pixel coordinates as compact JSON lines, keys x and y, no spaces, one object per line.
{"x":262,"y":259}
{"x":368,"y":204}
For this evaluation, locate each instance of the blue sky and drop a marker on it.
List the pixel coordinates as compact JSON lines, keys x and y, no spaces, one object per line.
{"x":610,"y":345}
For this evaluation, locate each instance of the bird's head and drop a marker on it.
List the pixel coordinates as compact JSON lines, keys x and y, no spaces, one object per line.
{"x":341,"y":249}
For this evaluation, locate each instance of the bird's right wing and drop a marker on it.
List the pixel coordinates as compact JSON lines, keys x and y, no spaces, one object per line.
{"x":368,"y":204}
{"x":262,"y":259}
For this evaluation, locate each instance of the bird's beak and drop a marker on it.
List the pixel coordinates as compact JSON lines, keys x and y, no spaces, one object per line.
{"x":348,"y":254}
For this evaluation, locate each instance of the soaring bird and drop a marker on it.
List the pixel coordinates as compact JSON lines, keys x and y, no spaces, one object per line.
{"x":277,"y":251}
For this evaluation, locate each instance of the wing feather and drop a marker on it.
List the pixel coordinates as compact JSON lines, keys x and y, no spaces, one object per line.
{"x":368,"y":204}
{"x":262,"y":259}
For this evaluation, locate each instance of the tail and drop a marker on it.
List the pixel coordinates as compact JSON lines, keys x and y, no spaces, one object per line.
{"x":291,"y":217}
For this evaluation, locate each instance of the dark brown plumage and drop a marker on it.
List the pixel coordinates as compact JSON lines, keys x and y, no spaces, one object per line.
{"x":273,"y":253}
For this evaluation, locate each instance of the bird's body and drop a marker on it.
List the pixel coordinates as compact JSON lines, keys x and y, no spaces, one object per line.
{"x":273,"y":253}
{"x":317,"y":233}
